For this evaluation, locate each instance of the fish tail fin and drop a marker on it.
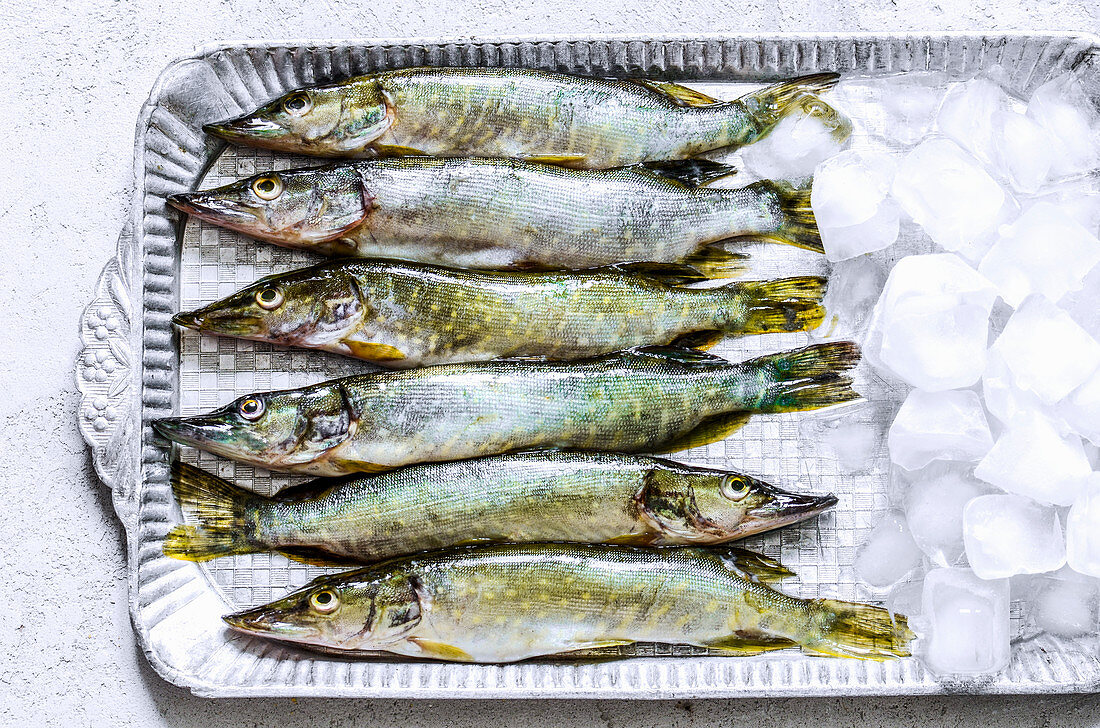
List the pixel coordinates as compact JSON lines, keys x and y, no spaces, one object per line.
{"x":222,"y":510}
{"x":802,"y":95}
{"x":808,"y":378}
{"x":810,"y":361}
{"x":849,"y":629}
{"x":826,"y":390}
{"x":192,"y":543}
{"x":797,"y":226}
{"x":783,"y":94}
{"x":786,"y":304}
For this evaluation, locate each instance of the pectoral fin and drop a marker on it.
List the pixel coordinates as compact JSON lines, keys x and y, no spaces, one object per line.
{"x":374,"y":352}
{"x":441,"y":650}
{"x":710,"y":430}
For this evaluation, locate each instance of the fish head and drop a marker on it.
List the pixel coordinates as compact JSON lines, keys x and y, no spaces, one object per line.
{"x":310,"y":307}
{"x":303,"y":208}
{"x":701,"y":505}
{"x":365,"y":609}
{"x":331,"y":120}
{"x":286,"y":430}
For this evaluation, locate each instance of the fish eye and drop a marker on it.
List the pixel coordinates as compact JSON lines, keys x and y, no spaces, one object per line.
{"x":735,"y":487}
{"x":268,"y":188}
{"x":269,"y":298}
{"x":252,"y":409}
{"x":297,"y":104}
{"x":324,"y":601}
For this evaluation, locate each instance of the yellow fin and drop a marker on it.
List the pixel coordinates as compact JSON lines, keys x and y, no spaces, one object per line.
{"x":710,"y":430}
{"x":632,"y":539}
{"x":374,"y":352}
{"x":562,"y":160}
{"x":395,"y":150}
{"x":680,"y":95}
{"x":441,"y":650}
{"x":715,"y":262}
{"x":746,"y":646}
{"x":318,"y":557}
{"x":700,"y":340}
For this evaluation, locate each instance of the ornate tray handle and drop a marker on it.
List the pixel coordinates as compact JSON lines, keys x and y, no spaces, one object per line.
{"x":108,"y":412}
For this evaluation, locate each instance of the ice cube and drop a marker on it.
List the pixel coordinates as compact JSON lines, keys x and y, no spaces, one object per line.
{"x":905,"y":599}
{"x":967,"y":116}
{"x":1020,"y":146}
{"x":1035,"y":459}
{"x":1081,"y":409}
{"x":1065,"y":604}
{"x":930,"y":326}
{"x":1002,"y":397}
{"x":889,"y":552}
{"x":849,"y":187}
{"x":1045,"y":251}
{"x":910,"y":102}
{"x":1083,"y":528}
{"x":968,"y":621}
{"x":853,"y":443}
{"x":934,"y":510}
{"x":1046,"y":351}
{"x":931,"y":426}
{"x":850,"y":204}
{"x":876,"y":233}
{"x":854,"y":286}
{"x":1064,"y":109}
{"x":799,"y":142}
{"x":937,"y":345}
{"x":1083,"y":306}
{"x":948,"y":194}
{"x":1078,"y":198}
{"x":1011,"y":534}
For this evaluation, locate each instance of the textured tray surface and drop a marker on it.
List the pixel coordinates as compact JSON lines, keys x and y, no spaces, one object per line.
{"x":177,"y":605}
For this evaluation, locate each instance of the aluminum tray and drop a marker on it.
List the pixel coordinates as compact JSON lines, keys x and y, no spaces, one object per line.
{"x":135,"y":368}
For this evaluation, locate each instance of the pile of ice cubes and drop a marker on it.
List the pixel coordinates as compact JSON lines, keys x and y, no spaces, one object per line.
{"x":994,"y":333}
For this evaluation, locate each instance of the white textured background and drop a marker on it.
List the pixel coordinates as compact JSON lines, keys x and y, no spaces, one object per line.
{"x":72,"y":79}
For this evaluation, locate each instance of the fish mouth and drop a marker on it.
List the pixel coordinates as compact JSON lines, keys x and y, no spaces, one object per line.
{"x":269,"y":623}
{"x":244,"y":129}
{"x":218,"y":321}
{"x":201,"y":432}
{"x":215,"y":208}
{"x":784,"y":509}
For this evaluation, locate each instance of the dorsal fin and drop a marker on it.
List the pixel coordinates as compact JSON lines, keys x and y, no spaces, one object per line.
{"x":700,"y":340}
{"x":684,"y":356}
{"x":688,"y":172}
{"x":755,"y":566}
{"x":677,"y":94}
{"x":671,"y":274}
